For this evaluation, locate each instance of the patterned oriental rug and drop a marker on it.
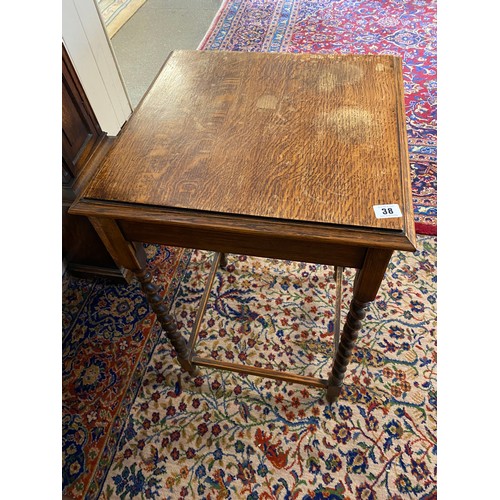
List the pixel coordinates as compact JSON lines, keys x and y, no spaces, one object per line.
{"x":135,"y":427}
{"x":401,"y":28}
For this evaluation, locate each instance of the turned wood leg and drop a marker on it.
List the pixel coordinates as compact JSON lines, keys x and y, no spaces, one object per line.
{"x":166,"y":320}
{"x":132,"y":256}
{"x":366,"y":286}
{"x":343,"y":355}
{"x":223,"y":260}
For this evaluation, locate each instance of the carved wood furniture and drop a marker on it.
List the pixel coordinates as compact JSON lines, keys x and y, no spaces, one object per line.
{"x":84,"y":145}
{"x":272,"y":155}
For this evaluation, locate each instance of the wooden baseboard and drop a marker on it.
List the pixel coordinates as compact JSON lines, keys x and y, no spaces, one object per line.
{"x":86,"y":271}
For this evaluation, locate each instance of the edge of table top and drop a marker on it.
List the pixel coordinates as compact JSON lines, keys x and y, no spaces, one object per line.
{"x":377,"y":237}
{"x":246,"y":225}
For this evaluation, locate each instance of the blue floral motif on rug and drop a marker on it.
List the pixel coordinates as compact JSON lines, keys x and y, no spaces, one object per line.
{"x":109,"y":335}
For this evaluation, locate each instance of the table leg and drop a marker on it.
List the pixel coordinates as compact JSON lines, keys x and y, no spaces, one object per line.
{"x":126,"y":255}
{"x":223,"y":260}
{"x":167,"y":322}
{"x":366,"y":285}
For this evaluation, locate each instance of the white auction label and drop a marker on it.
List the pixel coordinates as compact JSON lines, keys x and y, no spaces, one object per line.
{"x":387,"y":211}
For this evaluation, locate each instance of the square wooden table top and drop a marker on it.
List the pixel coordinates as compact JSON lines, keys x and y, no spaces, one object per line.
{"x":289,"y":137}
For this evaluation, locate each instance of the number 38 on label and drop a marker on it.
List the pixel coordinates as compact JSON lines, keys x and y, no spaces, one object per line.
{"x":387,"y":211}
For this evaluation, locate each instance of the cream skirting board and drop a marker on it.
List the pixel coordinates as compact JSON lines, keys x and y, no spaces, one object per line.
{"x":116,"y":13}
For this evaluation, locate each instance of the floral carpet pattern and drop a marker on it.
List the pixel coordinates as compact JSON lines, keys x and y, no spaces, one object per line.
{"x":109,"y":335}
{"x":134,"y":426}
{"x":402,"y":28}
{"x":225,"y":435}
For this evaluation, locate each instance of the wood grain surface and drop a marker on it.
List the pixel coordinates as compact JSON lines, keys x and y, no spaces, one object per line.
{"x":315,"y":138}
{"x":271,"y":155}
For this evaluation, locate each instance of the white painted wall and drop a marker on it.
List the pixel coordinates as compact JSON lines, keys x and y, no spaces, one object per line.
{"x":92,"y":56}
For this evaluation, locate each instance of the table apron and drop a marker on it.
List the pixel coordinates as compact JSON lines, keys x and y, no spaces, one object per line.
{"x":229,"y":240}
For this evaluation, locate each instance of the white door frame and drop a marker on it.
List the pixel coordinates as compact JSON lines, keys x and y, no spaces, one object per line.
{"x":91,"y":53}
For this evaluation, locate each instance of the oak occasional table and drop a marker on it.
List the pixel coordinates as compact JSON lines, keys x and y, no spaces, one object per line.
{"x":298,"y":157}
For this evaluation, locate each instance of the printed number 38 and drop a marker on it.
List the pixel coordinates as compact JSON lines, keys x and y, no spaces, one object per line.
{"x":387,"y":211}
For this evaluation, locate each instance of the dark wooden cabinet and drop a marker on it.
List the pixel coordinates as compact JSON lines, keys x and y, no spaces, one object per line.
{"x":83,"y":146}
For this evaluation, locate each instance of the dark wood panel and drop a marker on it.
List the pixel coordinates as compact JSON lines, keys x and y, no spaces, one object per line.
{"x":81,"y":132}
{"x":231,"y":240}
{"x":81,"y":245}
{"x":75,"y":132}
{"x":83,"y":146}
